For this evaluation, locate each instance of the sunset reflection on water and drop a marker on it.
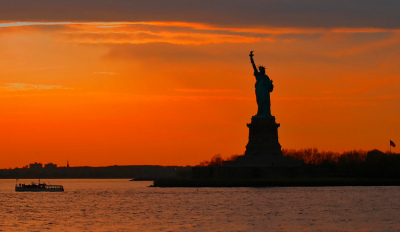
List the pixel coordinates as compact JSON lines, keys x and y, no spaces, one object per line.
{"x":120,"y":205}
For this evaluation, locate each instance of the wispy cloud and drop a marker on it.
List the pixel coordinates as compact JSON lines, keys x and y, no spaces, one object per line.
{"x":184,"y":33}
{"x":26,"y":87}
{"x":134,"y":35}
{"x":21,"y":24}
{"x":204,"y":27}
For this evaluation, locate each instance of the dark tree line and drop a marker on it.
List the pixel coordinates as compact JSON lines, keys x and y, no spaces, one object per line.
{"x":368,"y":164}
{"x":357,"y":163}
{"x":217,"y":160}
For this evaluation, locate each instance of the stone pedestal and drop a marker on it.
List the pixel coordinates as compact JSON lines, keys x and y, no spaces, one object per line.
{"x":263,"y":137}
{"x":263,"y":148}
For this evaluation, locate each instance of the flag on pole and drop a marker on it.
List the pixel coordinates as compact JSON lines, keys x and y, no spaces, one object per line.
{"x":392,"y":143}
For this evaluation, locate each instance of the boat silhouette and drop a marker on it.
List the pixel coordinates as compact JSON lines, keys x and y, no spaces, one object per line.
{"x":40,"y":187}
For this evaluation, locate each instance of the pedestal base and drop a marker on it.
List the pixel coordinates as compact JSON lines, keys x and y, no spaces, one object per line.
{"x":263,"y":148}
{"x":263,"y":161}
{"x":263,"y":137}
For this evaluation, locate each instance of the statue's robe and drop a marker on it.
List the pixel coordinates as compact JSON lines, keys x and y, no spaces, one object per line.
{"x":263,"y":87}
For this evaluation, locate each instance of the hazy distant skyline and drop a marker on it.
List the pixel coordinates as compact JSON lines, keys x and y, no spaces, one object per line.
{"x":170,"y":82}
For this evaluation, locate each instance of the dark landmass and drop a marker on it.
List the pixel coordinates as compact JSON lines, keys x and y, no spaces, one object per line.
{"x":144,"y":179}
{"x":354,"y":168}
{"x":277,"y":182}
{"x":136,"y":172}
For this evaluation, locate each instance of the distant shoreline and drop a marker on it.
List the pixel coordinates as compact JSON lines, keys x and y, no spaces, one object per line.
{"x":138,"y":172}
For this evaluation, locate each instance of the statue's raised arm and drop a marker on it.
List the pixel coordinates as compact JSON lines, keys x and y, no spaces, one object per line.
{"x":252,"y":61}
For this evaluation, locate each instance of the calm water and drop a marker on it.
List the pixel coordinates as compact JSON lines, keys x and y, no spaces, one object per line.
{"x":121,"y":205}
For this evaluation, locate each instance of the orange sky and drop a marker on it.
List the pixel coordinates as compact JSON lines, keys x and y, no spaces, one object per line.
{"x":178,"y":92}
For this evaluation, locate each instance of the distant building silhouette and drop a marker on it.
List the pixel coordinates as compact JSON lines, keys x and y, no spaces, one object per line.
{"x":35,"y":166}
{"x":67,"y":164}
{"x":50,"y":165}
